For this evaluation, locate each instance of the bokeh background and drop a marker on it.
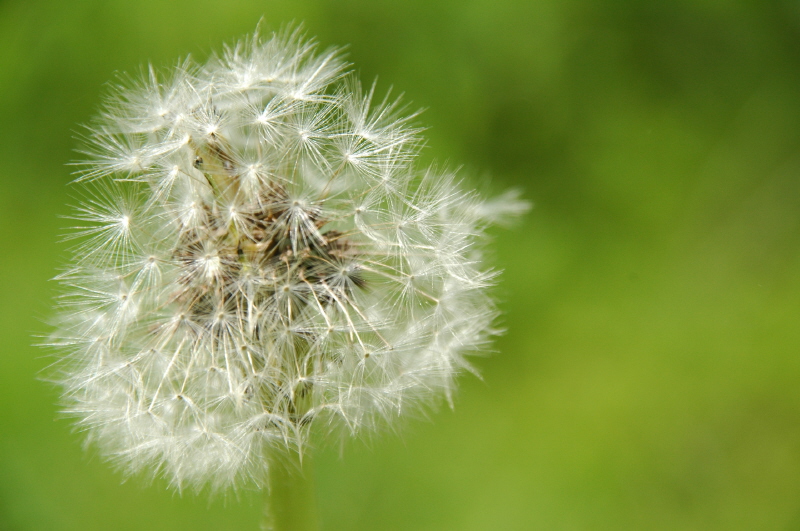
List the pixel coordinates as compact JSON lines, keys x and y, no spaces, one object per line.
{"x":650,"y":375}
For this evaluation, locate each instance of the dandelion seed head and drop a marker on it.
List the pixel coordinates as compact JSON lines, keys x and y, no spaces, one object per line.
{"x":258,"y":256}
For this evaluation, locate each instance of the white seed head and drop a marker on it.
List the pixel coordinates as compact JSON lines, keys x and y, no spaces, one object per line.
{"x":257,"y":255}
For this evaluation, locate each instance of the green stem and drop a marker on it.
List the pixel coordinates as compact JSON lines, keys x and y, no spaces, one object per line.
{"x":290,"y":503}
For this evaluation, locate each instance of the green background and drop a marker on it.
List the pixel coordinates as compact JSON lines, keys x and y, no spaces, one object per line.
{"x":649,"y":378}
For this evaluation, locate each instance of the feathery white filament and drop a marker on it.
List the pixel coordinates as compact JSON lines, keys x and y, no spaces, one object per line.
{"x":256,"y":255}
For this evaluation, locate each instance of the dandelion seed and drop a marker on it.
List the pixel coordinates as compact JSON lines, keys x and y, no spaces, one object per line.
{"x":257,"y":256}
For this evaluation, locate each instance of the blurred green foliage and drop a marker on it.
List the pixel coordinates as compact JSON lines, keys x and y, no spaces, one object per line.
{"x":649,"y":375}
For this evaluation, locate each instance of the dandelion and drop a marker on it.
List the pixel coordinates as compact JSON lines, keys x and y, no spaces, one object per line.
{"x":257,"y":255}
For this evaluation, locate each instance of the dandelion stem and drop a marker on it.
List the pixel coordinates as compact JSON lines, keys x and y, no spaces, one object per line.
{"x":290,"y":503}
